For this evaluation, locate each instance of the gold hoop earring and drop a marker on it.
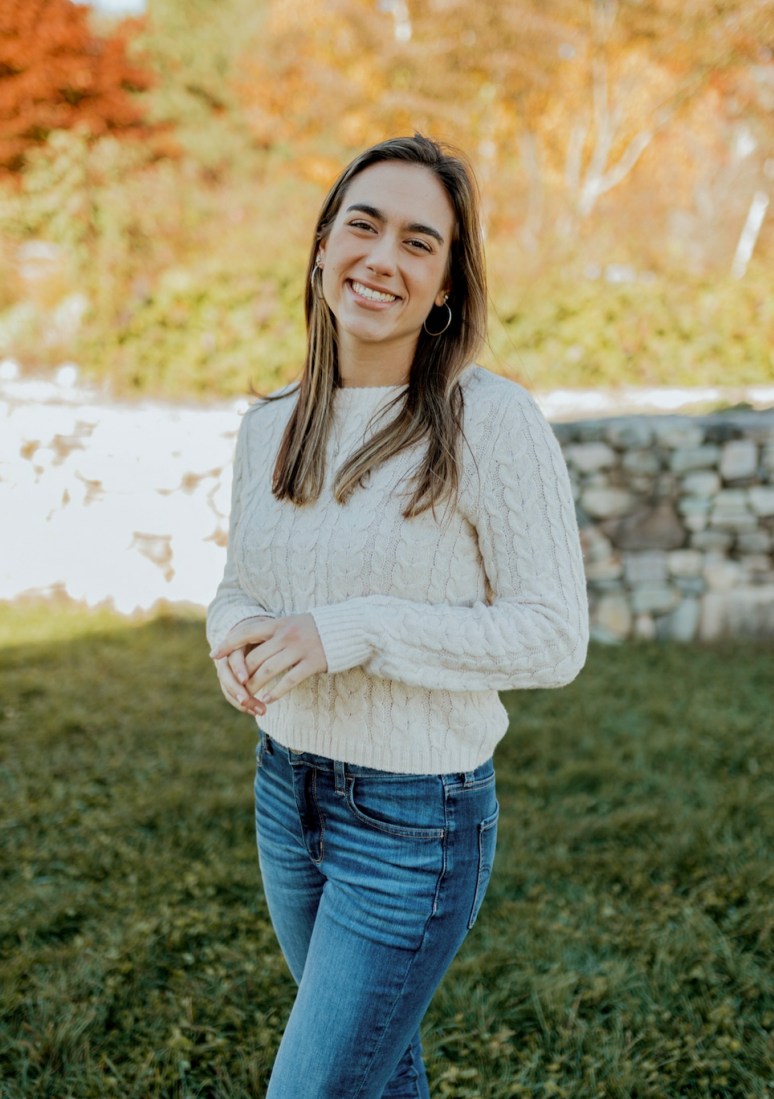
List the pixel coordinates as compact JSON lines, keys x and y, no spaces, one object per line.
{"x":440,"y":331}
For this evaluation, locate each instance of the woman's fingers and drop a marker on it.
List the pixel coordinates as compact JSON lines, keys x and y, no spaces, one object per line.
{"x":235,"y":693}
{"x":257,"y":655}
{"x":297,"y":674}
{"x":237,"y":661}
{"x":251,"y":631}
{"x":294,"y":646}
{"x":259,"y":650}
{"x":232,"y":689}
{"x":270,"y":669}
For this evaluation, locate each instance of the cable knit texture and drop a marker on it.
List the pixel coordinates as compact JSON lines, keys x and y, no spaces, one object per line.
{"x":422,"y":620}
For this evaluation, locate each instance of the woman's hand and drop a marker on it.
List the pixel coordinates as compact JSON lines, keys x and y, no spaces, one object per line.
{"x":259,"y":650}
{"x":233,"y":674}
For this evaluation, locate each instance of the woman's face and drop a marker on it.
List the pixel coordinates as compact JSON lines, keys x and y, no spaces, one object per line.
{"x":385,"y":258}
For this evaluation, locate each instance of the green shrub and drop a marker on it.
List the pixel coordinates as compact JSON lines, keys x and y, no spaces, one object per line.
{"x":208,"y":331}
{"x":212,"y":330}
{"x":588,"y":333}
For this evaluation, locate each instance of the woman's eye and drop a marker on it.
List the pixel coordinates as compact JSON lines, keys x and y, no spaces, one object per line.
{"x":422,"y":245}
{"x":361,"y":225}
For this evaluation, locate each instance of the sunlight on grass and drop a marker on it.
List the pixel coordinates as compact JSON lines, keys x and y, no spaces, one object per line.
{"x":625,"y":947}
{"x":26,"y":621}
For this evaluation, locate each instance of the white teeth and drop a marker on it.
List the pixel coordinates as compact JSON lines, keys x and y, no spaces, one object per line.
{"x":372,"y":295}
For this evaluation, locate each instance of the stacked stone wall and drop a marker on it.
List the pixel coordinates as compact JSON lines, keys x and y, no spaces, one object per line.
{"x":128,"y":504}
{"x":677,"y":523}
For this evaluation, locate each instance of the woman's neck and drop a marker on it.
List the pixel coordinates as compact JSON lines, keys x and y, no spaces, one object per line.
{"x":374,"y":365}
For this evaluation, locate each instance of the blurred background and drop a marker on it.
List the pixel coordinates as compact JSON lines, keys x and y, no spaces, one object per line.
{"x":162,"y":162}
{"x":161,"y":167}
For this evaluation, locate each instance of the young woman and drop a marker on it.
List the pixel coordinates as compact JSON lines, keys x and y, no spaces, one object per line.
{"x":403,"y":545}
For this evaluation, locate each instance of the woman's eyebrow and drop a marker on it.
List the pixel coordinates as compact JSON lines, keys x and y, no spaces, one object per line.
{"x":413,"y":227}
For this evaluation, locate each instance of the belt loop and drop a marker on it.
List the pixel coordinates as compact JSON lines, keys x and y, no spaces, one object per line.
{"x":268,"y":747}
{"x":468,"y":778}
{"x":339,"y":771}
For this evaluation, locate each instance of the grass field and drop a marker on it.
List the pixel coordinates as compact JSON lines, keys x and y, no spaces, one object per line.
{"x":624,"y":950}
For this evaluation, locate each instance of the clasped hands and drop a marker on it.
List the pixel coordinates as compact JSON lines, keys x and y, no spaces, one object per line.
{"x":259,"y":650}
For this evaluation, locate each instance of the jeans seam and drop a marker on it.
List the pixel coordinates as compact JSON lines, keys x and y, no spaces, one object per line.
{"x":414,"y":1073}
{"x":444,"y":862}
{"x":320,"y":818}
{"x":484,"y":828}
{"x":396,"y":1001}
{"x":313,"y":812}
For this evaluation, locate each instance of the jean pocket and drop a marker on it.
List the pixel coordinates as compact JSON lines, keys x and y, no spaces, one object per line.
{"x":399,"y":807}
{"x":487,"y":843}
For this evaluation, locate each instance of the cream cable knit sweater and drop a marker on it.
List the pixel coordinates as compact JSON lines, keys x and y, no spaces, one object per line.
{"x":422,"y":620}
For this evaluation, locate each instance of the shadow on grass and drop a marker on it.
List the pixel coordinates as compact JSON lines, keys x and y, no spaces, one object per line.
{"x":624,"y":949}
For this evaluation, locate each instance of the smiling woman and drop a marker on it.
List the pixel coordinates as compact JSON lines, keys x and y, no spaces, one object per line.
{"x":428,"y":352}
{"x":385,"y":264}
{"x":402,"y":546}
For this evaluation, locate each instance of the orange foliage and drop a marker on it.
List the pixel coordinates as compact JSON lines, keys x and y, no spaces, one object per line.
{"x":55,"y":74}
{"x":351,"y":68}
{"x":589,"y":80}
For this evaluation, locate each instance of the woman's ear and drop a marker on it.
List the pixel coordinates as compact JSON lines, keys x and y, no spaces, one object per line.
{"x":442,"y":295}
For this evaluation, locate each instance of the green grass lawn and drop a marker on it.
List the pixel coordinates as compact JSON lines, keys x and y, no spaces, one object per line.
{"x":624,"y":950}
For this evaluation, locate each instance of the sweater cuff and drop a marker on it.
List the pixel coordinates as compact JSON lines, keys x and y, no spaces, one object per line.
{"x":341,"y":627}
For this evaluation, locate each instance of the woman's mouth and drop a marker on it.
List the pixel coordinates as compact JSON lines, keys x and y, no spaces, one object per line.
{"x":371,"y":295}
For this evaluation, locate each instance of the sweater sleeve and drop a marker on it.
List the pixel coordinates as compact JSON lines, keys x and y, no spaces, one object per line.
{"x":533,"y":630}
{"x":231,"y":605}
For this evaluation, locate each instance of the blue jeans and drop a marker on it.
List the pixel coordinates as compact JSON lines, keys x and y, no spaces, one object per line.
{"x":372,"y":880}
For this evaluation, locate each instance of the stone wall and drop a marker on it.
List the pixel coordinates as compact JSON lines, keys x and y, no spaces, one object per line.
{"x":128,"y":504}
{"x":677,"y":523}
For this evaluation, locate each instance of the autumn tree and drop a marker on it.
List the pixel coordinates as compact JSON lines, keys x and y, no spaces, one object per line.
{"x":353,"y":70}
{"x":195,"y":47}
{"x":644,"y":65}
{"x":55,"y":74}
{"x":561,"y":106}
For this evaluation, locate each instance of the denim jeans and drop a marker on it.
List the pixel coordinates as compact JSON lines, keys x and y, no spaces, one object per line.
{"x":372,"y":880}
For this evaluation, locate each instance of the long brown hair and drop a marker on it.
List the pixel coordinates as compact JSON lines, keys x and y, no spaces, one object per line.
{"x":431,"y":408}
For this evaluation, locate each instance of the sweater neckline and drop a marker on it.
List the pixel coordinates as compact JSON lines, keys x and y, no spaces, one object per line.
{"x":369,"y":398}
{"x":363,"y":392}
{"x":370,"y":388}
{"x":365,"y":398}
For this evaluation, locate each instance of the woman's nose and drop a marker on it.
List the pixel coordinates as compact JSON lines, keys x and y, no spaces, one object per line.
{"x":381,"y":257}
